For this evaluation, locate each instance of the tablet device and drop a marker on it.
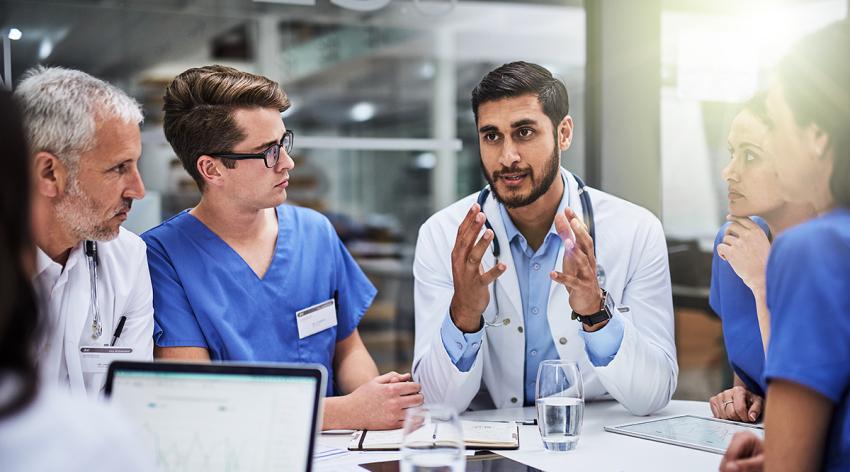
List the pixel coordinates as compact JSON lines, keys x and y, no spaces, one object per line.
{"x":479,"y":462}
{"x":696,"y":432}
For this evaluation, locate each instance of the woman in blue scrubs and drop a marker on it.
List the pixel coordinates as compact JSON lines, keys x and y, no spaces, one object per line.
{"x":807,"y":422}
{"x":242,"y":277}
{"x":738,"y":294}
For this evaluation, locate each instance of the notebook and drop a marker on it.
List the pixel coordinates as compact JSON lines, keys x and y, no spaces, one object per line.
{"x":490,"y":435}
{"x":218,"y":417}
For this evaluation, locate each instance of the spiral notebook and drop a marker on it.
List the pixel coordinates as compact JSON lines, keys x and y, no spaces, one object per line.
{"x":490,"y":435}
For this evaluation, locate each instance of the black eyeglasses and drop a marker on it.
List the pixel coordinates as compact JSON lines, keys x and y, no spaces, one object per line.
{"x":270,"y":156}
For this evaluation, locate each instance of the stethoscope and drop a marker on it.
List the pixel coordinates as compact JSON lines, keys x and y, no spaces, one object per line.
{"x":587,"y":211}
{"x":94,"y":311}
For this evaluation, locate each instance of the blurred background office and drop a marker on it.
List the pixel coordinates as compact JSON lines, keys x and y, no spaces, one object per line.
{"x":384,"y":132}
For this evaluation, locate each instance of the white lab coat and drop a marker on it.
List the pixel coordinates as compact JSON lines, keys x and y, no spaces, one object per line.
{"x":631,"y":249}
{"x":124,"y":288}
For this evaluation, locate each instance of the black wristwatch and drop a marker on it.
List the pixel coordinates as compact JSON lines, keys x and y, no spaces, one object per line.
{"x":601,"y":316}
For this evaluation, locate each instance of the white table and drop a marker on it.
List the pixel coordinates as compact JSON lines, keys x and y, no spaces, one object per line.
{"x":597,"y":449}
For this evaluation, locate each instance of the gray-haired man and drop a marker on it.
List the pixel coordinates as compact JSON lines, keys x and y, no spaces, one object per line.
{"x":92,"y":274}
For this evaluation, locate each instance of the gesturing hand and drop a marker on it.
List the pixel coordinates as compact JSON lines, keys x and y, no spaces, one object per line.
{"x":470,"y":280}
{"x":746,"y":247}
{"x":579,"y":265}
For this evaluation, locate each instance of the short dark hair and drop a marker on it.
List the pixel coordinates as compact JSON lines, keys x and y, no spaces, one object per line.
{"x":19,"y":316}
{"x":199,"y":106}
{"x":815,"y":77}
{"x":523,"y":78}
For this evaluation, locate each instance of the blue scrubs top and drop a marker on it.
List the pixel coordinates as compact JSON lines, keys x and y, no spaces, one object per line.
{"x":808,"y":294}
{"x":205,"y":295}
{"x":735,"y":304}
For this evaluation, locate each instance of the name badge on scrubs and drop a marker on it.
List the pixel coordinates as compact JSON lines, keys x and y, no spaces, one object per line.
{"x":316,"y":318}
{"x":96,"y":359}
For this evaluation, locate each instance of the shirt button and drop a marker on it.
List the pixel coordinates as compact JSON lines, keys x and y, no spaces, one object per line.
{"x":459,"y":346}
{"x":506,"y":322}
{"x":563,"y":340}
{"x":475,"y":344}
{"x":519,"y":328}
{"x":535,"y":310}
{"x":536,"y":266}
{"x":533,"y":353}
{"x":513,"y":400}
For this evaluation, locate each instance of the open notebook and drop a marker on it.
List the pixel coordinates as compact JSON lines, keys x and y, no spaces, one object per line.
{"x":476,"y":434}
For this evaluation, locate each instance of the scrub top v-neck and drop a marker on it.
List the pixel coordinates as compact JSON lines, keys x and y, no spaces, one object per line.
{"x":205,"y":294}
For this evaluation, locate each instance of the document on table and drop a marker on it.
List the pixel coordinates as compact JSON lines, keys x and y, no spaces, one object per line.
{"x":476,"y":435}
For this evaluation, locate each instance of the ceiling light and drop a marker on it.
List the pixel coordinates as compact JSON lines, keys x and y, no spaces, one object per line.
{"x":15,"y":34}
{"x":363,"y":111}
{"x":44,"y":49}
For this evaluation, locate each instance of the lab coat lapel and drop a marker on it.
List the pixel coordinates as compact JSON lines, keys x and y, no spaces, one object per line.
{"x":75,"y":309}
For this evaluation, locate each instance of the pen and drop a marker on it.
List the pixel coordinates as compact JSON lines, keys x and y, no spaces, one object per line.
{"x":118,"y":330}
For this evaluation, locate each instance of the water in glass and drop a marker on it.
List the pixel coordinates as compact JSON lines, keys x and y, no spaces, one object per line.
{"x":559,"y":420}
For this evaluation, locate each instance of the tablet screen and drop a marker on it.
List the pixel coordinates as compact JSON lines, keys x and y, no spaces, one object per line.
{"x":707,"y":434}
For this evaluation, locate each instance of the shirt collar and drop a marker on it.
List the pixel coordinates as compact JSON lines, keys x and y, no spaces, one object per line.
{"x":43,"y":262}
{"x":511,"y":229}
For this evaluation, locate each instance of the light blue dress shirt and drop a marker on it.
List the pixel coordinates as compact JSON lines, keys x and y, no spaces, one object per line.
{"x":532,"y":269}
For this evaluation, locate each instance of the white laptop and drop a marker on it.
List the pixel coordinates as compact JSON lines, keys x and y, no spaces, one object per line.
{"x":222,"y":417}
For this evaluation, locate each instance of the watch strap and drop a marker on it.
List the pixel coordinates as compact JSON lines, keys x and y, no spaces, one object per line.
{"x":604,"y":314}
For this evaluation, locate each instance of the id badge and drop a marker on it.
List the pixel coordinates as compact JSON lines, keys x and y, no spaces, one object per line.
{"x":316,"y":318}
{"x":96,"y":359}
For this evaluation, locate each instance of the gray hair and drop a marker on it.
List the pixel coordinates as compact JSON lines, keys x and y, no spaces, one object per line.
{"x":60,"y":108}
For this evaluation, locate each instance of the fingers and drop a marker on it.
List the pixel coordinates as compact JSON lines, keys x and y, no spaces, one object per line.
{"x":411,"y":401}
{"x":480,"y":248}
{"x":744,"y":445}
{"x":488,"y":277}
{"x":577,"y":264}
{"x":562,"y":226}
{"x":723,"y":251}
{"x":714,"y":403}
{"x":739,"y":403}
{"x":400,"y":377}
{"x":386,"y":378}
{"x":405,"y":388}
{"x":468,"y":230}
{"x":737,"y":229}
{"x":731,"y":239}
{"x":583,"y":239}
{"x":753,"y":464}
{"x":756,"y":408}
{"x":743,"y":221}
{"x":468,"y":219}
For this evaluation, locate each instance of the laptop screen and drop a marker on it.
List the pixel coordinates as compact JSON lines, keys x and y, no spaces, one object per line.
{"x":221,"y":417}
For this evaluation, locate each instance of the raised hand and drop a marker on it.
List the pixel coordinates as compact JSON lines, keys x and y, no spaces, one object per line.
{"x":471,"y":296}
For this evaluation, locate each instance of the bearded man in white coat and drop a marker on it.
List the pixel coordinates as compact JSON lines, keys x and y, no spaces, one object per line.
{"x":91,"y":274}
{"x":538,"y":266}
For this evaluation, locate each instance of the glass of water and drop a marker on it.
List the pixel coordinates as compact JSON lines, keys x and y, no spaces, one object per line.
{"x":433,"y":440}
{"x":560,"y":404}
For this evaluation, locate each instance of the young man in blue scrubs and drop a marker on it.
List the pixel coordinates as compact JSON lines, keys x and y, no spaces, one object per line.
{"x":242,"y":277}
{"x":807,"y":424}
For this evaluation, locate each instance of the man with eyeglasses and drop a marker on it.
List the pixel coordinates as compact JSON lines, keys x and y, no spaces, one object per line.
{"x":242,"y":277}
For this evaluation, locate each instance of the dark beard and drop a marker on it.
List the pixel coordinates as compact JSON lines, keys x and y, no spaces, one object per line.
{"x":550,"y":172}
